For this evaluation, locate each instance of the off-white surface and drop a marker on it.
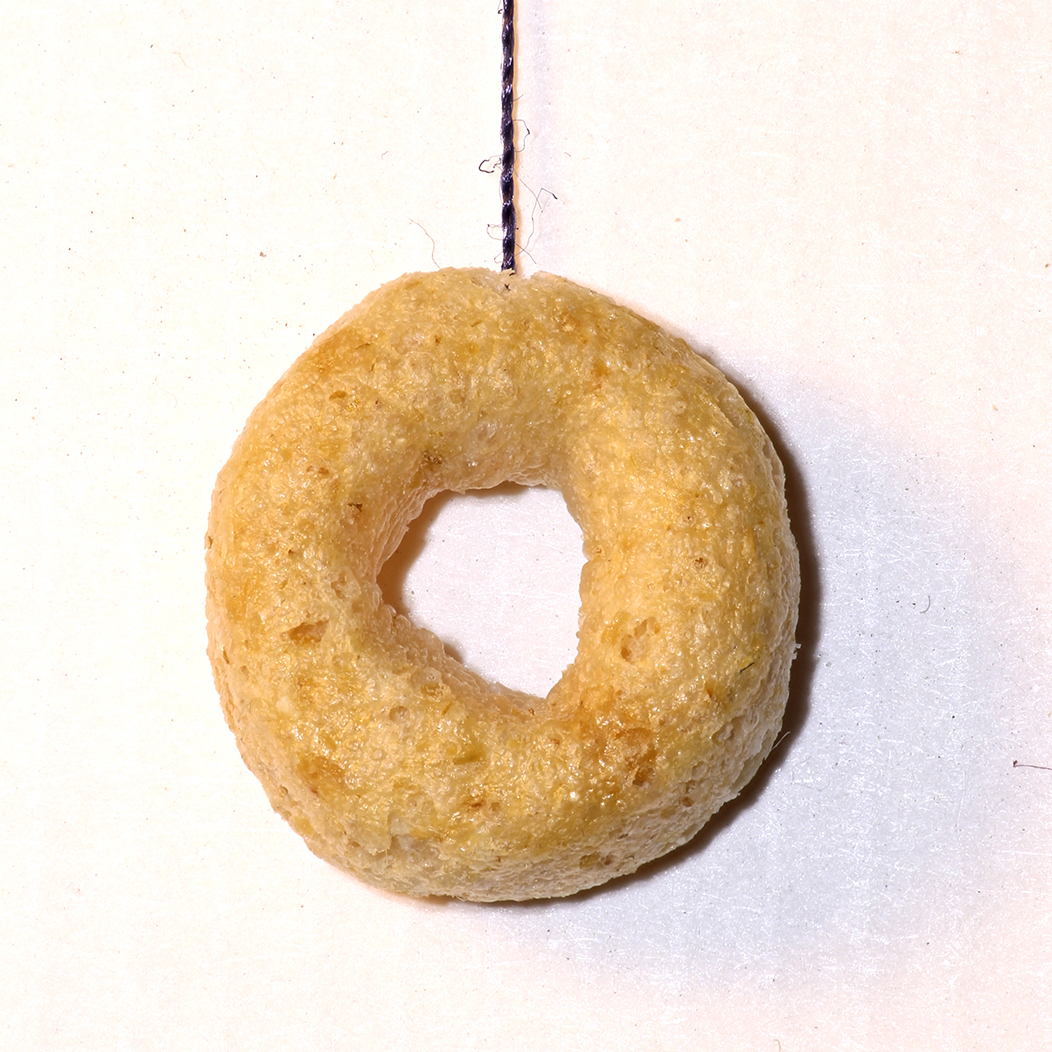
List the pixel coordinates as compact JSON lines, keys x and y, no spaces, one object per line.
{"x":845,"y":203}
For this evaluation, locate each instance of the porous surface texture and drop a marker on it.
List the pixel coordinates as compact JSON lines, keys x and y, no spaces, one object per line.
{"x":384,"y":753}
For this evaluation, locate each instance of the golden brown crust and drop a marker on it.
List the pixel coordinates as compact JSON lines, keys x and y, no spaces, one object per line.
{"x":389,"y":757}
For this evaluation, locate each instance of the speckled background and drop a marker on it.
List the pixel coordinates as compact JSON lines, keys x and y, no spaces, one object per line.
{"x":845,"y":206}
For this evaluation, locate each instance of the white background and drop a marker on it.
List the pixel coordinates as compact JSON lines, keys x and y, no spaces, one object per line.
{"x":845,"y":205}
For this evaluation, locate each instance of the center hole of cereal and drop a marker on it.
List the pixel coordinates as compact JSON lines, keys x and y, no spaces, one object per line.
{"x":495,"y":575}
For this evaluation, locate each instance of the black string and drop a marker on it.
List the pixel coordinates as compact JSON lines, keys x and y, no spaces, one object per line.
{"x":507,"y":135}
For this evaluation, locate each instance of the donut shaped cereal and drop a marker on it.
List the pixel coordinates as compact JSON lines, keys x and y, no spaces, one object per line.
{"x":385,"y":754}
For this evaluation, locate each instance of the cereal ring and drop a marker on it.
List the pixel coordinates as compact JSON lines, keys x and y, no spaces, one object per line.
{"x":384,"y":753}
